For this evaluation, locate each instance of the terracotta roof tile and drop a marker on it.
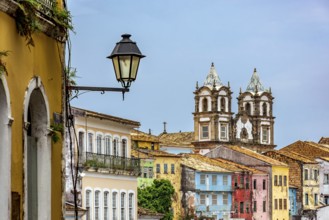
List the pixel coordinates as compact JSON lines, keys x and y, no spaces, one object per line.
{"x":139,"y":154}
{"x":324,"y":140}
{"x":294,"y":156}
{"x":157,"y":153}
{"x":308,"y":149}
{"x":142,"y":136}
{"x":177,"y":139}
{"x":242,"y":167}
{"x":204,"y":165}
{"x":257,"y":155}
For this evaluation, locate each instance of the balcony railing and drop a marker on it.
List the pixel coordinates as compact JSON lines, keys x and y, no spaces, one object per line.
{"x":111,"y":162}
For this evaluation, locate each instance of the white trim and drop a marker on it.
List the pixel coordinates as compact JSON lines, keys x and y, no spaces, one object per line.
{"x":44,"y":154}
{"x":109,"y":176}
{"x":5,"y":150}
{"x":93,"y":141}
{"x":100,"y":203}
{"x":91,"y":201}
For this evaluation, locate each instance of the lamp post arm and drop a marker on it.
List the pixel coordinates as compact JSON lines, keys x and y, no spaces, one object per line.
{"x":97,"y":89}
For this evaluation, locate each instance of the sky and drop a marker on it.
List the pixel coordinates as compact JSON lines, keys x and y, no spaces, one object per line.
{"x":287,"y":41}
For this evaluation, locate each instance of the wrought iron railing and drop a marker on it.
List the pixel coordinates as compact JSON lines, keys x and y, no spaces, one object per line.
{"x":112,"y":162}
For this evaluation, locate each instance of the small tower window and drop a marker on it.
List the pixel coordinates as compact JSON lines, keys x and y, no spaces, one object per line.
{"x":264,"y":109}
{"x":222,"y":104}
{"x":265,"y":134}
{"x":204,"y":104}
{"x":248,"y":108}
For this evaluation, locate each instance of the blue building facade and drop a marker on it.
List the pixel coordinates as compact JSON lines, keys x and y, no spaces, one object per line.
{"x":293,"y":201}
{"x":213,"y":194}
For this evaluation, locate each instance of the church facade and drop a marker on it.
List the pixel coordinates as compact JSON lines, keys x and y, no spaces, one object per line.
{"x":251,"y":127}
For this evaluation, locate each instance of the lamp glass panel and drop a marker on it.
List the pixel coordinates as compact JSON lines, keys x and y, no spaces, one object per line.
{"x":115,"y":61}
{"x":125,"y":67}
{"x":134,"y":67}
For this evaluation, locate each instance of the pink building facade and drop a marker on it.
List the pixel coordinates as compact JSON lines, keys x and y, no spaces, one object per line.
{"x":260,"y":197}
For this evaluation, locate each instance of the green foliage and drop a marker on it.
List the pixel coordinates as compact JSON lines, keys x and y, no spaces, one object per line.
{"x":58,"y":129}
{"x":157,"y":197}
{"x":71,"y":74}
{"x":94,"y":163}
{"x":27,"y":21}
{"x":3,"y":64}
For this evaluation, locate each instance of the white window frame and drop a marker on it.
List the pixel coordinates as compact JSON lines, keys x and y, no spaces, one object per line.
{"x":99,"y":147}
{"x":223,"y":131}
{"x":90,"y":142}
{"x":265,"y":134}
{"x":131,"y":205}
{"x":123,"y":205}
{"x":106,"y":204}
{"x":114,"y":206}
{"x":97,"y":204}
{"x":107,"y":144}
{"x":202,"y":199}
{"x":202,"y":132}
{"x":89,"y":203}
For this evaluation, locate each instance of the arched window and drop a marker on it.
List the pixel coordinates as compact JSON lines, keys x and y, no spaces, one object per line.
{"x":123,"y":206}
{"x":131,"y":206}
{"x":88,"y":204}
{"x":204,"y":104}
{"x":106,"y":205}
{"x":96,"y":205}
{"x":244,"y":134}
{"x":99,"y":144}
{"x":222,"y":104}
{"x":115,"y":147}
{"x":124,"y":148}
{"x":107,"y":145}
{"x":90,"y":142}
{"x":248,"y":108}
{"x":114,"y":205}
{"x":264,"y":109}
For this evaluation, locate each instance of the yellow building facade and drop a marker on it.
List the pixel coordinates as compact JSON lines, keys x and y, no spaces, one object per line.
{"x":31,"y":93}
{"x":280,"y":192}
{"x":167,"y":166}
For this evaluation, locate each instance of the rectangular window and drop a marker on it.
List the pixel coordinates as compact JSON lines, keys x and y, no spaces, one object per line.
{"x":247,"y":208}
{"x":285,"y":204}
{"x":214,"y":199}
{"x":247,"y":183}
{"x":88,"y":217}
{"x":280,"y":180}
{"x":326,"y":178}
{"x":123,"y":206}
{"x":275,"y":204}
{"x":235,"y":181}
{"x":172,"y":168}
{"x":131,"y":206}
{"x":225,"y":199}
{"x":306,"y":198}
{"x":107,"y":145}
{"x":106,"y":209}
{"x":145,"y":172}
{"x":158,"y":168}
{"x":97,"y":205}
{"x":214,"y":180}
{"x":99,"y":144}
{"x":316,"y":174}
{"x":203,"y":179}
{"x":305,"y":174}
{"x":202,"y":199}
{"x":275,"y":180}
{"x":150,"y":172}
{"x":114,"y":206}
{"x":265,"y":134}
{"x":255,"y":184}
{"x":316,"y":199}
{"x":236,"y":207}
{"x":90,"y":142}
{"x":264,"y":206}
{"x":241,"y":185}
{"x":223,"y":135}
{"x":241,"y":207}
{"x":264,"y":184}
{"x":280,"y":204}
{"x":204,"y":132}
{"x":165,"y":168}
{"x":285,"y":180}
{"x":225,"y":180}
{"x":81,"y":141}
{"x":255,"y":206}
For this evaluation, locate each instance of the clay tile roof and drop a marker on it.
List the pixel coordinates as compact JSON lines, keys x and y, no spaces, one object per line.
{"x":142,"y":136}
{"x":139,"y":154}
{"x":157,"y":153}
{"x":325,"y":158}
{"x":177,"y":139}
{"x":324,"y":140}
{"x":257,"y":156}
{"x":294,"y":156}
{"x":83,"y":112}
{"x":204,"y":164}
{"x":242,"y":167}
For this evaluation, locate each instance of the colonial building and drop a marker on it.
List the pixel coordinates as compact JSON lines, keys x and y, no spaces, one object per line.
{"x":278,"y":175}
{"x":31,"y":98}
{"x":107,"y":178}
{"x":144,"y":140}
{"x":304,"y":174}
{"x":176,"y":143}
{"x":147,"y":166}
{"x":214,"y":122}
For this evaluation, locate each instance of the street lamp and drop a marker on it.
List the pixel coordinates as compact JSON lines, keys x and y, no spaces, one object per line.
{"x":125,"y":57}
